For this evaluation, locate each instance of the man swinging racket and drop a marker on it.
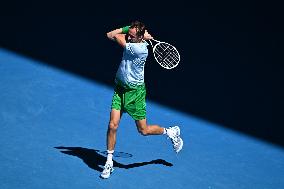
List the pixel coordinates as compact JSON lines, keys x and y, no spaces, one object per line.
{"x":130,"y":92}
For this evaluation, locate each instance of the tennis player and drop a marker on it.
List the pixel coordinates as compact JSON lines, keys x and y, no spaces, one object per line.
{"x":130,"y":92}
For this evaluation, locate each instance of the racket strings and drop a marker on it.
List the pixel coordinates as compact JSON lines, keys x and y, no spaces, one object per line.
{"x":167,"y":55}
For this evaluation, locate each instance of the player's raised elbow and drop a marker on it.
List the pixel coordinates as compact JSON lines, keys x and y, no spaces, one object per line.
{"x":110,"y":36}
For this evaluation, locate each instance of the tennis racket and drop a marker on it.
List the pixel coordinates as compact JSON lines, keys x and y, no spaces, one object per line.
{"x":165,"y":54}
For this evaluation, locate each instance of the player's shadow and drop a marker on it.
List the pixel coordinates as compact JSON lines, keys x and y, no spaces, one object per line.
{"x":96,"y":161}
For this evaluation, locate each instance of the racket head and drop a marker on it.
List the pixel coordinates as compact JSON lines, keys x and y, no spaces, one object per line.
{"x":166,"y":55}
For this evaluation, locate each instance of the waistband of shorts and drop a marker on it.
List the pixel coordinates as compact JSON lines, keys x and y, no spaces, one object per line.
{"x":130,"y":86}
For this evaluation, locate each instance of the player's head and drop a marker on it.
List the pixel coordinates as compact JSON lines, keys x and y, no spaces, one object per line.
{"x":136,"y":32}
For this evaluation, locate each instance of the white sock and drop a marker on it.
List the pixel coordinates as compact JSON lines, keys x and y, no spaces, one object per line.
{"x":165,"y":131}
{"x":109,"y":155}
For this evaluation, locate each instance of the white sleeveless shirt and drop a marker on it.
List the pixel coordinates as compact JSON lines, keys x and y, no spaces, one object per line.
{"x":131,"y":68}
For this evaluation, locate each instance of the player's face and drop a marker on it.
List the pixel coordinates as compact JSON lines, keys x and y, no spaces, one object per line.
{"x":131,"y":36}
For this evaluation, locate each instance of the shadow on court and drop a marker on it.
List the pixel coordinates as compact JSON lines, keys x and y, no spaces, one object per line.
{"x":96,"y":161}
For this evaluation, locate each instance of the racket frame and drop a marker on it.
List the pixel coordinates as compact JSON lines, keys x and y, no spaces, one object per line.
{"x":154,"y":48}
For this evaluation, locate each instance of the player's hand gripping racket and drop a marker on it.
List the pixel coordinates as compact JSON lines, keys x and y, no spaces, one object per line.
{"x":165,"y":54}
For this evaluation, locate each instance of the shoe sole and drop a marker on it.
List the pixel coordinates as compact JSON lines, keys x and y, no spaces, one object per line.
{"x":181,"y":145}
{"x":103,"y":177}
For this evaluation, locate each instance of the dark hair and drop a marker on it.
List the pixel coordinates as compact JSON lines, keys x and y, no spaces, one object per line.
{"x":140,"y":28}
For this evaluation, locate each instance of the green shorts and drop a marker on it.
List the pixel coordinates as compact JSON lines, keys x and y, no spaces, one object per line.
{"x":132,"y":101}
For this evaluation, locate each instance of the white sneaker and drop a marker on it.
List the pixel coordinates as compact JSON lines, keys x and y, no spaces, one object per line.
{"x":174,"y":134}
{"x":108,"y":169}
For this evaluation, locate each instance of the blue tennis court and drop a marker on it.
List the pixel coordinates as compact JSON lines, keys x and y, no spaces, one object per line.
{"x":53,"y":134}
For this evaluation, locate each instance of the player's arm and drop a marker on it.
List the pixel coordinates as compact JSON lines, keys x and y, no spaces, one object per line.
{"x":120,"y":39}
{"x":111,"y":35}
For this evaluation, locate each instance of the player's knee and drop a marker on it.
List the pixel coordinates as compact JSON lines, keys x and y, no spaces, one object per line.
{"x":113,"y":126}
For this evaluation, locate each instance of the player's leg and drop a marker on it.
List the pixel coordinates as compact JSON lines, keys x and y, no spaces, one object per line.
{"x":137,"y":110}
{"x":172,"y":132}
{"x":145,"y":129}
{"x":115,"y":116}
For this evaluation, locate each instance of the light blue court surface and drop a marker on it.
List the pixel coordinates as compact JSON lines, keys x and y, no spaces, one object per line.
{"x":53,"y":131}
